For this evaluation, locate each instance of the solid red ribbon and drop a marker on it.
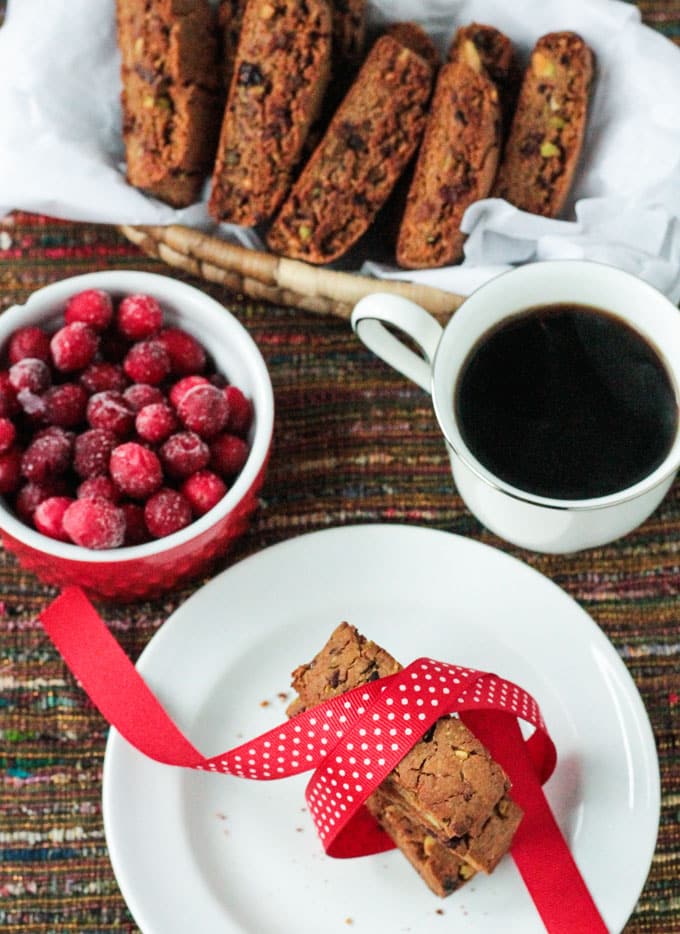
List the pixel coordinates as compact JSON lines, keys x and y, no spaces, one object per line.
{"x":351,"y":743}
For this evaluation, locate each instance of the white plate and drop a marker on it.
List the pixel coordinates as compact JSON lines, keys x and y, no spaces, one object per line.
{"x":214,"y":853}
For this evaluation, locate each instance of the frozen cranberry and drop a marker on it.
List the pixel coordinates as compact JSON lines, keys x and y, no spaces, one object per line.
{"x":135,"y":470}
{"x":228,"y":454}
{"x":184,"y":453}
{"x":10,"y":470}
{"x":140,"y":394}
{"x":167,"y":511}
{"x":99,"y":487}
{"x":65,"y":405}
{"x":91,"y":452}
{"x":155,"y":422}
{"x":30,"y":373}
{"x":147,"y":362}
{"x":186,"y":354}
{"x":93,"y":307}
{"x":204,"y":409}
{"x":73,"y":347}
{"x":204,"y":489}
{"x":31,"y":405}
{"x":103,"y":375}
{"x":136,"y":532}
{"x":95,"y":523}
{"x":182,"y":386}
{"x":32,"y":494}
{"x":48,"y":454}
{"x":48,"y":517}
{"x":29,"y":341}
{"x":240,"y":411}
{"x":139,"y":316}
{"x":8,"y":434}
{"x":110,"y":410}
{"x":8,"y":397}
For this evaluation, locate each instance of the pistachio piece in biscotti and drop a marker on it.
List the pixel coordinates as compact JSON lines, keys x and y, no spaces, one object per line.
{"x":280,"y":74}
{"x":547,"y":132}
{"x":456,"y":165}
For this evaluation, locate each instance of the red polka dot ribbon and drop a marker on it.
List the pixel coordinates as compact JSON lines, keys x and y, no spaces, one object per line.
{"x":351,"y":743}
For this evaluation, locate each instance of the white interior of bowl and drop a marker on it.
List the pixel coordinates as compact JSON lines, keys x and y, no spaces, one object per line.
{"x":233,"y":351}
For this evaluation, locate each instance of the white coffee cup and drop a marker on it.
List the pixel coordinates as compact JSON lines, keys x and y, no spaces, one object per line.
{"x":523,"y":518}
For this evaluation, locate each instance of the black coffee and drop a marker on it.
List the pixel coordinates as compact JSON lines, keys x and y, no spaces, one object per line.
{"x":566,"y":401}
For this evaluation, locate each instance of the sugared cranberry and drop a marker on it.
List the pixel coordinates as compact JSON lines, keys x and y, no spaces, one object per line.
{"x":73,"y":347}
{"x":8,"y":397}
{"x":228,"y":454}
{"x":186,"y":354}
{"x":10,"y":470}
{"x":32,"y":405}
{"x":155,"y":422}
{"x":92,"y":451}
{"x":135,"y":470}
{"x":32,"y":494}
{"x":139,"y":317}
{"x":48,"y":517}
{"x":140,"y":394}
{"x":184,"y":453}
{"x":102,"y":375}
{"x":99,"y":487}
{"x":204,"y":409}
{"x":29,"y":341}
{"x":48,"y":455}
{"x":136,"y":532}
{"x":95,"y":523}
{"x":182,"y":386}
{"x":240,"y":411}
{"x":30,"y":373}
{"x":93,"y":307}
{"x":167,"y":511}
{"x":8,"y":434}
{"x":147,"y":362}
{"x":204,"y":489}
{"x":110,"y":410}
{"x":65,"y":405}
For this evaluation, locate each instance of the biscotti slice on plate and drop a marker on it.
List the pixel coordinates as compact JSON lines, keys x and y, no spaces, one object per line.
{"x":456,"y":165}
{"x":546,"y":136}
{"x":446,"y":804}
{"x":486,"y":48}
{"x":170,"y":95}
{"x":366,"y":147}
{"x":280,"y":75}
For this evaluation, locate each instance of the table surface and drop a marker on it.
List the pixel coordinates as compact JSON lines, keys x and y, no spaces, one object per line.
{"x":354,"y":443}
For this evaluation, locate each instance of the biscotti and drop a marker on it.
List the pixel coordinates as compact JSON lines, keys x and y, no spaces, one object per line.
{"x":349,"y":33}
{"x":366,"y":147}
{"x":456,"y":165}
{"x":229,"y":19}
{"x":170,"y":95}
{"x":546,"y":136}
{"x":486,"y":48}
{"x":414,"y":37}
{"x":446,"y":804}
{"x":280,"y":75}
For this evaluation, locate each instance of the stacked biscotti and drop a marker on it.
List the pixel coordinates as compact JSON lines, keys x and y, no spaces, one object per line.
{"x":446,"y":804}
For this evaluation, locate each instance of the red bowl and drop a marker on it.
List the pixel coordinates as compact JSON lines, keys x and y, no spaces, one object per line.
{"x":147,"y":570}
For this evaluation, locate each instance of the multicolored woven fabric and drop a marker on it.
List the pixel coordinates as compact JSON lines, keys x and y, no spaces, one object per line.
{"x":354,"y":443}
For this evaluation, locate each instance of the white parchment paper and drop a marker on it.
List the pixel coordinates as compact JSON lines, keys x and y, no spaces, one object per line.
{"x":61,"y":151}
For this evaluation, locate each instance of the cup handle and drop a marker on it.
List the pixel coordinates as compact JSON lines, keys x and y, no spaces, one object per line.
{"x":371,"y":314}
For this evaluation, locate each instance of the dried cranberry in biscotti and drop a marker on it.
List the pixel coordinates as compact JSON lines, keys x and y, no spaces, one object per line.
{"x":204,"y":489}
{"x":182,"y":386}
{"x":110,"y":410}
{"x":48,"y":517}
{"x":95,"y":523}
{"x":228,"y":454}
{"x":147,"y":362}
{"x":203,"y":409}
{"x":183,"y":454}
{"x":167,"y":511}
{"x":140,"y":394}
{"x":8,"y":434}
{"x":48,"y":455}
{"x":139,"y":317}
{"x":135,"y":470}
{"x":155,"y":422}
{"x":240,"y":411}
{"x":99,"y":487}
{"x":92,"y":306}
{"x":29,"y":341}
{"x":30,"y":373}
{"x":64,"y":405}
{"x":92,"y":451}
{"x":186,"y":354}
{"x":102,"y":375}
{"x":8,"y":397}
{"x":10,"y":470}
{"x":73,"y":347}
{"x":136,"y":532}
